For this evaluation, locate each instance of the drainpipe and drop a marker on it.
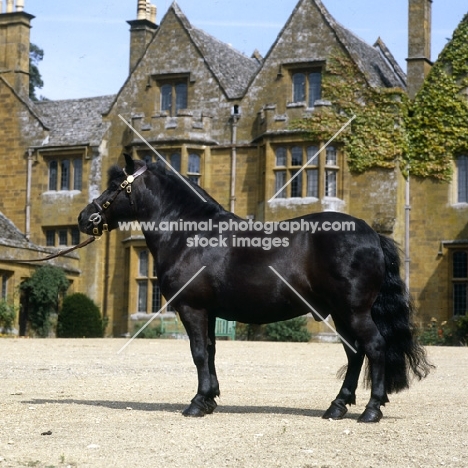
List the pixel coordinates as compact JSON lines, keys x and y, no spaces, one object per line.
{"x":407,"y":231}
{"x":28,"y":193}
{"x":235,"y":116}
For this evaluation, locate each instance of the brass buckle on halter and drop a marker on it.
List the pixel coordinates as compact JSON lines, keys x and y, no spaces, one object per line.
{"x":105,"y":228}
{"x":96,"y":231}
{"x":124,"y":184}
{"x":106,"y":205}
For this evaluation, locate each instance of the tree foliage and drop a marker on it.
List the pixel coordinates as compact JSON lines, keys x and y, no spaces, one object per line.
{"x":7,"y":316}
{"x":43,"y":291}
{"x":290,"y":330}
{"x":36,"y":54}
{"x":79,"y":318}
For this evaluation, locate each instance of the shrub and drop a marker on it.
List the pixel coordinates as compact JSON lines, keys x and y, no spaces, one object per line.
{"x":149,"y":332}
{"x":79,"y":318}
{"x":461,"y":330}
{"x":43,"y":291}
{"x":289,"y":330}
{"x":7,"y":316}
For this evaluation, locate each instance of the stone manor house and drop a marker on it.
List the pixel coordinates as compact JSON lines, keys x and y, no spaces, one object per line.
{"x":231,"y":123}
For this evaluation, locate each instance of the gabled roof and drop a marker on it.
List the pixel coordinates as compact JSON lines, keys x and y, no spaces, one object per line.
{"x":379,"y":70}
{"x":377,"y":64}
{"x":75,"y":122}
{"x":28,"y":103}
{"x":232,"y":69}
{"x":10,"y":235}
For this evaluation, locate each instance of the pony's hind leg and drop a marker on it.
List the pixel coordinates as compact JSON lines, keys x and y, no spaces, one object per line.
{"x":202,"y":345}
{"x":347,"y":393}
{"x":374,"y":347}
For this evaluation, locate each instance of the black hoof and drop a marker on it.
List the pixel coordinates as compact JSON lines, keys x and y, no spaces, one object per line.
{"x":336,"y":411}
{"x":200,"y":406}
{"x":370,"y":415}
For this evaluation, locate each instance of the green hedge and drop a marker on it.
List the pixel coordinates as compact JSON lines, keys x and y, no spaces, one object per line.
{"x":79,"y":318}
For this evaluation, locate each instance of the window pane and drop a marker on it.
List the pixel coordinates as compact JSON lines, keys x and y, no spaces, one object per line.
{"x":330,"y":184}
{"x":166,"y":97}
{"x":75,"y":236}
{"x":459,"y":299}
{"x":50,"y":238}
{"x":4,"y":286}
{"x":462,"y":170}
{"x":281,"y":157}
{"x":194,"y":179}
{"x":53,"y":171}
{"x":312,"y":183}
{"x":65,"y":176}
{"x":175,"y":161}
{"x":156,"y":298}
{"x":143,"y":263}
{"x":312,"y":152}
{"x":331,"y":156}
{"x":299,"y":87}
{"x":296,"y":185}
{"x":181,"y":96}
{"x":194,"y":164}
{"x":315,"y":87}
{"x":142,"y":296}
{"x":460,"y":269}
{"x":280,"y":180}
{"x":63,"y":237}
{"x":77,"y":174}
{"x":296,"y":156}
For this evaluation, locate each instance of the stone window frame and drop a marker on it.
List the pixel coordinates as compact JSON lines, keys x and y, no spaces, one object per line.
{"x":460,"y":180}
{"x":314,"y":69}
{"x":55,"y":235}
{"x":458,"y":275}
{"x":321,"y":177}
{"x":5,"y":277}
{"x":178,"y":84}
{"x":65,"y":173}
{"x":181,"y":158}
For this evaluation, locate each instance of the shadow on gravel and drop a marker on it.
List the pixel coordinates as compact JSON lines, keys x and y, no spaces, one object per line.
{"x":178,"y":408}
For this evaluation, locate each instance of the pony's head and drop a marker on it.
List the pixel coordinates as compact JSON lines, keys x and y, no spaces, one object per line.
{"x":115,"y":204}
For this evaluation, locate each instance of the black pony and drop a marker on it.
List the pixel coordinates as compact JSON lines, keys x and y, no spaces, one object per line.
{"x":335,"y":263}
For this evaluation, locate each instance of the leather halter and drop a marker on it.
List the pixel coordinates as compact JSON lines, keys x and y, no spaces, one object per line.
{"x":126,"y":185}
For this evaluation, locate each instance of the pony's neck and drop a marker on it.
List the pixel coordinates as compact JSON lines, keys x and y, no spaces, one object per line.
{"x":168,"y":198}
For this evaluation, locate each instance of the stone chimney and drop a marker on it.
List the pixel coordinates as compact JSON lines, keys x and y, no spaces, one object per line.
{"x":141,"y":31}
{"x":15,"y":27}
{"x":419,"y":44}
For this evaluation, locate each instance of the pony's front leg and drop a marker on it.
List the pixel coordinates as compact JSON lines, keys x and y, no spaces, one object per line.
{"x":197,"y":325}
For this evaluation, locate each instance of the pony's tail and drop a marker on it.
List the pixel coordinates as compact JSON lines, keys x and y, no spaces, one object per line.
{"x":392,"y":313}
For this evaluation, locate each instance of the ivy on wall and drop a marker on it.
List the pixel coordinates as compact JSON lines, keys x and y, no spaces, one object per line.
{"x":437,"y":124}
{"x":376,"y":137}
{"x":424,"y":136}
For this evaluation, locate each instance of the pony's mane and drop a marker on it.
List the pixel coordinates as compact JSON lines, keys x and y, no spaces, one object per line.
{"x":182,"y":193}
{"x":173,"y":179}
{"x":114,"y":172}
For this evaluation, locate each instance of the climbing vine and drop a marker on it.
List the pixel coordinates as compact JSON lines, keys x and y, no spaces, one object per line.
{"x":424,"y":136}
{"x":376,"y":137}
{"x":437,"y":124}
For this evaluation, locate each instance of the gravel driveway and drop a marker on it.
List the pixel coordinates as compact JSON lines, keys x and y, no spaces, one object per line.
{"x":76,"y":403}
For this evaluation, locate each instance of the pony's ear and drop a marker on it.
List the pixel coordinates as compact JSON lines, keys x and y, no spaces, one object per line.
{"x":129,"y":164}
